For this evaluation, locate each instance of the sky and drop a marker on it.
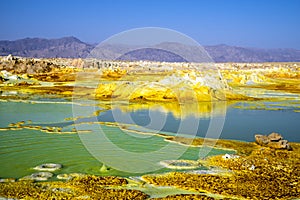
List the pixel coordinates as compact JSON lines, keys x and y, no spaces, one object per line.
{"x":248,"y":23}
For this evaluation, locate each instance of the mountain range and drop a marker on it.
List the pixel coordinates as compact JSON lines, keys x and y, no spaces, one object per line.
{"x":71,"y":47}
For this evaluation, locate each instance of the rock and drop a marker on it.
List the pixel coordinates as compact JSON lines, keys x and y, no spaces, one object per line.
{"x":276,"y":145}
{"x":274,"y":137}
{"x":282,"y":144}
{"x":289,"y":147}
{"x":9,"y":57}
{"x":261,"y":139}
{"x":273,"y":140}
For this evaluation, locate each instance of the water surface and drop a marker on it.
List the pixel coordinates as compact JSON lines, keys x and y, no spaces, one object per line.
{"x":21,"y":150}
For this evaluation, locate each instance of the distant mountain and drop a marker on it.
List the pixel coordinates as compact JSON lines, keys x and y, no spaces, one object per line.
{"x":165,"y":51}
{"x":225,"y":53}
{"x":71,"y":47}
{"x":67,"y":47}
{"x":152,"y":54}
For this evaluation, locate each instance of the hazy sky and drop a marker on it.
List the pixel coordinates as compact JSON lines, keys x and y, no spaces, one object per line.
{"x":260,"y":23}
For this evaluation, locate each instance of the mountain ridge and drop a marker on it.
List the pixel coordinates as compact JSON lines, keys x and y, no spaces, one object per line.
{"x":69,"y":47}
{"x":72,"y":47}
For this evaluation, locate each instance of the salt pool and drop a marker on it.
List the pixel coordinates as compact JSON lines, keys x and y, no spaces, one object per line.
{"x":21,"y":150}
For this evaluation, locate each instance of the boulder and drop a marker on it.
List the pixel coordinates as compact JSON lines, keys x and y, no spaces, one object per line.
{"x":261,"y":139}
{"x":277,"y":145}
{"x":273,"y":140}
{"x":275,"y":137}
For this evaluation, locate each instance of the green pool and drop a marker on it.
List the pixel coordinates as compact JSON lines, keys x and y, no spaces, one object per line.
{"x":23,"y":149}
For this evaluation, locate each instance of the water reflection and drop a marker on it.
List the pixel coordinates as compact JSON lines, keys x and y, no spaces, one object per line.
{"x":241,"y":122}
{"x":178,"y":111}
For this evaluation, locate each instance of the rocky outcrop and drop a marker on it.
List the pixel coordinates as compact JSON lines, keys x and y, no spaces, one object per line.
{"x":273,"y":140}
{"x":16,"y":65}
{"x":181,"y":86}
{"x":15,"y":69}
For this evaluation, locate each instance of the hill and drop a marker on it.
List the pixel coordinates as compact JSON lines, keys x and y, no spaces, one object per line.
{"x":67,"y":47}
{"x":71,"y":47}
{"x":225,"y":53}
